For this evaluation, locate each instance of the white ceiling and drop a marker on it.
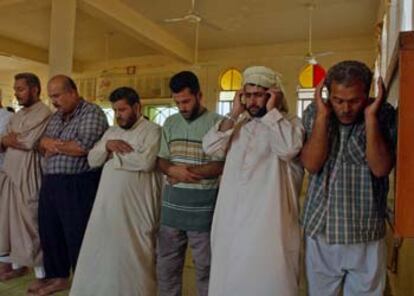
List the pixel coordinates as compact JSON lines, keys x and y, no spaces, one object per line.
{"x":259,"y":22}
{"x":243,"y":23}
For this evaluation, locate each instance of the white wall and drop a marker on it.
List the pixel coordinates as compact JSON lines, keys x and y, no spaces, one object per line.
{"x":286,"y":59}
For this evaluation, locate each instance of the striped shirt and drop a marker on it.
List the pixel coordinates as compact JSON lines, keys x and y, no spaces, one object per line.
{"x":85,"y":126}
{"x":344,"y":200}
{"x":188,"y":206}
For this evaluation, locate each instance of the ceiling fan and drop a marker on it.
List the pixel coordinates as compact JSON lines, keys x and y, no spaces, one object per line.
{"x":310,"y":56}
{"x":193,"y":17}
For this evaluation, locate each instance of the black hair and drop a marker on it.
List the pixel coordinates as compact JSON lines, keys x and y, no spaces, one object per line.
{"x":31,"y":79}
{"x":125,"y":93}
{"x":348,"y":73}
{"x":185,"y":79}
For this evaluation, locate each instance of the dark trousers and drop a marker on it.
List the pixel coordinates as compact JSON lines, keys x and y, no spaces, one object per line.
{"x":65,"y":203}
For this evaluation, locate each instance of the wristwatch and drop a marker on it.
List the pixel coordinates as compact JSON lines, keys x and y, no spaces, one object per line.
{"x":228,"y":116}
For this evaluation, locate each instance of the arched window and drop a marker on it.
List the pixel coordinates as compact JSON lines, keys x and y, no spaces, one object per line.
{"x":159,"y":113}
{"x":230,"y":81}
{"x":309,"y":78}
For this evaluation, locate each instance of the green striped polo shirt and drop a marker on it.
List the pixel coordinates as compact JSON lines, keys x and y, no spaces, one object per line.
{"x":188,"y":206}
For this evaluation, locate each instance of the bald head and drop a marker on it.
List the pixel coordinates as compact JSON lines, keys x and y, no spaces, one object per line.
{"x":63,"y":92}
{"x":65,"y":81}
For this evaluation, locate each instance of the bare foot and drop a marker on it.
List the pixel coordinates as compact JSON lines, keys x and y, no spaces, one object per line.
{"x":5,"y":267}
{"x":14,"y":273}
{"x":53,"y":286}
{"x":36,"y":285}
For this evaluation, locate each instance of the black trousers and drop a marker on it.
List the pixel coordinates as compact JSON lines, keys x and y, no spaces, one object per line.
{"x":65,"y":203}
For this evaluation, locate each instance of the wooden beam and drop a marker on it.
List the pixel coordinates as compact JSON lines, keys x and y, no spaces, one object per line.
{"x":138,"y":26}
{"x":18,"y":49}
{"x":4,"y":3}
{"x":23,"y":50}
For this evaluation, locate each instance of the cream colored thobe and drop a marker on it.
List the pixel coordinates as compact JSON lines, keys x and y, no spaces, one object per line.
{"x":19,"y":187}
{"x":255,"y":232}
{"x":117,"y":256}
{"x":4,"y":120}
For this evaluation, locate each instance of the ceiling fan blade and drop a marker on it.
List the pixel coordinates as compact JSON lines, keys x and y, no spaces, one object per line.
{"x":324,"y":53}
{"x":211,"y":25}
{"x":174,"y":20}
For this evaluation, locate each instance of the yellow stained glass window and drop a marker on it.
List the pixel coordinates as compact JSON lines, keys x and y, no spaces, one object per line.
{"x":231,"y":80}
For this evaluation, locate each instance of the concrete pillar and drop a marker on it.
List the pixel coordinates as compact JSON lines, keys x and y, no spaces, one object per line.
{"x":62,"y":33}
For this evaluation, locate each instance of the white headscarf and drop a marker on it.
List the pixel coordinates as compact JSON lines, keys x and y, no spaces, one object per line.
{"x":267,"y":78}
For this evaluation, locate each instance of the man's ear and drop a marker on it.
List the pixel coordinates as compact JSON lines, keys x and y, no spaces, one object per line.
{"x":73,"y":93}
{"x":35,"y":91}
{"x":137,"y":107}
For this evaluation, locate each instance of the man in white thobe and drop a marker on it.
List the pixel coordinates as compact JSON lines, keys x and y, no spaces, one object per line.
{"x":20,"y":179}
{"x":4,"y":119}
{"x":117,"y":256}
{"x":255,"y":233}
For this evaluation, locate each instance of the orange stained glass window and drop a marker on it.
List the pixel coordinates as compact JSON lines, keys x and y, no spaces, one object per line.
{"x":231,"y":80}
{"x":311,"y":75}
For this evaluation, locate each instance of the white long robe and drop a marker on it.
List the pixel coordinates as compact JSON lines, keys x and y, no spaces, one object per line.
{"x":255,"y":232}
{"x":117,"y":256}
{"x":20,"y":180}
{"x":4,"y":119}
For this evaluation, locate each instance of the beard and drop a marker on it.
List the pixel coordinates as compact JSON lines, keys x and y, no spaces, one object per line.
{"x":25,"y":103}
{"x":193,"y":114}
{"x":127,"y":123}
{"x":257,"y":112}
